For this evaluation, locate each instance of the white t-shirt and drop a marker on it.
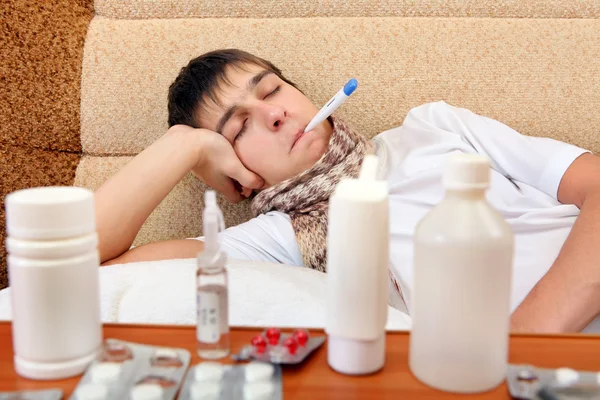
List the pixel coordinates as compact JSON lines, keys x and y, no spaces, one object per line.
{"x":526,"y":173}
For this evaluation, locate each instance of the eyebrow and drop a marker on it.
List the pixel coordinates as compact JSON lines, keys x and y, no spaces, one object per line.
{"x":252,"y":83}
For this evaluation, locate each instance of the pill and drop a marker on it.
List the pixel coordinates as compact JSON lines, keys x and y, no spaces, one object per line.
{"x":105,"y":372}
{"x":258,"y":390}
{"x":526,"y":375}
{"x":92,"y":391}
{"x":205,"y":391}
{"x":301,"y":336}
{"x":258,"y":371}
{"x":273,"y":335}
{"x":165,"y":353}
{"x":291,"y":344}
{"x":566,"y":376}
{"x":259,"y":343}
{"x":166,"y":358}
{"x":208,"y":371}
{"x":146,"y":391}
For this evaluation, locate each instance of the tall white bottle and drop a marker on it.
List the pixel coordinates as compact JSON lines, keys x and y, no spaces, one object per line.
{"x":357,"y":277}
{"x":462,"y":276}
{"x":53,"y":274}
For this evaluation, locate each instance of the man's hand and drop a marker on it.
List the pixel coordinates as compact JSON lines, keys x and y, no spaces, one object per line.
{"x":219,"y":166}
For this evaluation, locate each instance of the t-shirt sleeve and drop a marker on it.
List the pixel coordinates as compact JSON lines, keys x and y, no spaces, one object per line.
{"x":535,"y":161}
{"x":268,"y":237}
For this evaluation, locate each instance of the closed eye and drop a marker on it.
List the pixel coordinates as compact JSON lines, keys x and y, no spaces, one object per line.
{"x":242,"y":130}
{"x":275,"y":91}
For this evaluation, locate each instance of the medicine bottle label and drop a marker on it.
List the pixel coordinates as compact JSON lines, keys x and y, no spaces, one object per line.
{"x":208,"y":330}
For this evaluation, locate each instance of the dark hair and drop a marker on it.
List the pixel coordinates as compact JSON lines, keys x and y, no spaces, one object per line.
{"x":200,"y":79}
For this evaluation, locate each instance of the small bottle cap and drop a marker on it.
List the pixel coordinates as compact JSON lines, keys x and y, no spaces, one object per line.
{"x":258,"y":390}
{"x":208,"y":371}
{"x":205,"y":391}
{"x":105,"y":372}
{"x":258,"y":371}
{"x":467,"y":171}
{"x":92,"y":391}
{"x":146,"y":391}
{"x":50,"y":213}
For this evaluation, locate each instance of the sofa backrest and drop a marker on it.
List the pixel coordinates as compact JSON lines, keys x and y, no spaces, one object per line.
{"x":532,"y":65}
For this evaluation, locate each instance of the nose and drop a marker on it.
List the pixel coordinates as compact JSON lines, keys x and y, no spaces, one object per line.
{"x":275,"y":117}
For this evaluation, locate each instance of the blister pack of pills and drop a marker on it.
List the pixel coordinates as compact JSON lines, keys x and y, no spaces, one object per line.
{"x":211,"y":380}
{"x":52,"y":394}
{"x":125,"y":370}
{"x":531,"y":383}
{"x":280,"y":348}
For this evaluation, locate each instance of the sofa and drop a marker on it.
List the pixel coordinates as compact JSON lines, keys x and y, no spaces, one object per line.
{"x":84,"y":84}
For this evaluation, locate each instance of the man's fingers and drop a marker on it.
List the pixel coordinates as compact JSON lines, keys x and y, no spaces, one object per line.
{"x":233,"y":196}
{"x":246,"y":192}
{"x":248,"y":179}
{"x":231,"y":193}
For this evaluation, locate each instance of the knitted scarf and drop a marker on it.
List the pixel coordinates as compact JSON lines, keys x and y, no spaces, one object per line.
{"x":305,"y":197}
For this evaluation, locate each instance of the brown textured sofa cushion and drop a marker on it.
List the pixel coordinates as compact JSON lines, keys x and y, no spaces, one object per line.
{"x":41,"y":47}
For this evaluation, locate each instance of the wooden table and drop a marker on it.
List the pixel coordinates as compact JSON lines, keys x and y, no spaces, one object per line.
{"x":314,"y":379}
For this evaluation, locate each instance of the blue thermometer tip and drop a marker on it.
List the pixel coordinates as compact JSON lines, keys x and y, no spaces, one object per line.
{"x":350,"y":87}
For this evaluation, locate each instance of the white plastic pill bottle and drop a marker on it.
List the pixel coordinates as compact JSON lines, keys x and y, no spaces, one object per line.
{"x":53,"y":276}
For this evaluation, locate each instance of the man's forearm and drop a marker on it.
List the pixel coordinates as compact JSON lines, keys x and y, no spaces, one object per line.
{"x":124,"y":202}
{"x":568,"y":296}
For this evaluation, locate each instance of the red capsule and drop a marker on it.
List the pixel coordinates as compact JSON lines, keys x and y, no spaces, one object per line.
{"x":259,"y":343}
{"x":291,"y":344}
{"x":273,"y":336}
{"x":301,"y":336}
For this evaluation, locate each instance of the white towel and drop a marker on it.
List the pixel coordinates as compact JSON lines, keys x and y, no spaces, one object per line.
{"x":260,"y":294}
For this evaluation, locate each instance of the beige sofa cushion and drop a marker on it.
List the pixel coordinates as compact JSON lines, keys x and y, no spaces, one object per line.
{"x":134,"y":9}
{"x":538,"y":75}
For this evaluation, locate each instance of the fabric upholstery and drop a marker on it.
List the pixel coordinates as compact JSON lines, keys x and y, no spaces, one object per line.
{"x":537,"y":75}
{"x":144,"y":9}
{"x":41,"y":48}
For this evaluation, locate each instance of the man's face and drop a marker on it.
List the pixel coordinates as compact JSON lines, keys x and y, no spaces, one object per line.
{"x":264,"y":118}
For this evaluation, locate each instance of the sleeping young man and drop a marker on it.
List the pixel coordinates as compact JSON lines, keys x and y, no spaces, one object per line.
{"x":237,"y":123}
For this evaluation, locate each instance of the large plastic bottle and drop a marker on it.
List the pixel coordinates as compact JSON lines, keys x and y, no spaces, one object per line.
{"x":461,"y":294}
{"x":357,"y":273}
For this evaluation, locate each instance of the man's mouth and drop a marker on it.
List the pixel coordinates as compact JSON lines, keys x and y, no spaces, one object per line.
{"x":299,"y":135}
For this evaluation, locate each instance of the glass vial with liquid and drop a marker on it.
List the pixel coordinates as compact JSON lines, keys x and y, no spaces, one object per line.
{"x":212,"y":330}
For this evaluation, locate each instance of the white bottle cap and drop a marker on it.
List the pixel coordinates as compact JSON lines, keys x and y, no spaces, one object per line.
{"x":146,"y":391}
{"x":105,"y":372}
{"x":467,"y":171}
{"x":91,"y":391}
{"x":355,"y":357}
{"x":57,"y":212}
